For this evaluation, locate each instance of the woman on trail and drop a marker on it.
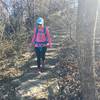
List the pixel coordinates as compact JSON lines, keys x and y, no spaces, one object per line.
{"x":41,"y":40}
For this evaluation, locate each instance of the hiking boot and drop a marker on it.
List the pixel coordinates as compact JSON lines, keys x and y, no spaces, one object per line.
{"x":43,"y":64}
{"x":39,"y":70}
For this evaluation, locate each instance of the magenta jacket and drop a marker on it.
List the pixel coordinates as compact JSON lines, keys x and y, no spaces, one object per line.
{"x":36,"y":37}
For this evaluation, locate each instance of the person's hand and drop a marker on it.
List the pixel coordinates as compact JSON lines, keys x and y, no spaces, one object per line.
{"x":49,"y":46}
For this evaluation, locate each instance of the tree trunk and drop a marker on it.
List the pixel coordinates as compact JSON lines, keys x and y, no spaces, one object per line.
{"x":85,"y":40}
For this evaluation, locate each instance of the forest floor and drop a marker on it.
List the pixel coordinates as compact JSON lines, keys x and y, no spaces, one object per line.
{"x":58,"y":81}
{"x":26,"y":83}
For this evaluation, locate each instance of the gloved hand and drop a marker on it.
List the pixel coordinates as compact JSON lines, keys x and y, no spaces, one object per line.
{"x":49,"y":45}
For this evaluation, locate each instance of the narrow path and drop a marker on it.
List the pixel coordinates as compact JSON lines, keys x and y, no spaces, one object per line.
{"x":38,"y":85}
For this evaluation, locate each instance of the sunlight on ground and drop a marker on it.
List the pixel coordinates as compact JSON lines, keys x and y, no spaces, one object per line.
{"x":10,"y":72}
{"x":52,"y":49}
{"x":51,"y":66}
{"x":40,"y":90}
{"x":46,"y":66}
{"x":47,"y":57}
{"x":27,"y":55}
{"x":50,"y":54}
{"x":34,"y":66}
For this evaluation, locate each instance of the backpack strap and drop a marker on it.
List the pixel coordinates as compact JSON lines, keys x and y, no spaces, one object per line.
{"x":43,"y":32}
{"x":36,"y":30}
{"x":36,"y":33}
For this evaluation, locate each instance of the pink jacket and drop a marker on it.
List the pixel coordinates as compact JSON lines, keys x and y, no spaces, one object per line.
{"x":41,"y":37}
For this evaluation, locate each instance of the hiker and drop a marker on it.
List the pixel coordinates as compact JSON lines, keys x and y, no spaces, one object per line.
{"x":41,"y":40}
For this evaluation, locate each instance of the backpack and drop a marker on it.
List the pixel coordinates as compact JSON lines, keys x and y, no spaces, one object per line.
{"x":45,"y":42}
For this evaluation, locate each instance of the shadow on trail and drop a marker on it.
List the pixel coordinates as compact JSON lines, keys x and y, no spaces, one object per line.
{"x":9,"y":86}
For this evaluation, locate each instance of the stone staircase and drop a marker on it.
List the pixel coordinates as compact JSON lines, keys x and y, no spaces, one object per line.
{"x":35,"y":84}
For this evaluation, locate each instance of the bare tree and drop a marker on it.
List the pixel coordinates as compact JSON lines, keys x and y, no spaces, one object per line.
{"x":85,"y":39}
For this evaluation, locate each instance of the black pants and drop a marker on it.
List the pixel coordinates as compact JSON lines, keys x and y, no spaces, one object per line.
{"x":40,"y":53}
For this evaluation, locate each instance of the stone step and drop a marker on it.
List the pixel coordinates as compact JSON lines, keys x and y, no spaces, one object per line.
{"x":52,"y":49}
{"x":57,"y":40}
{"x":59,"y":33}
{"x":59,"y":36}
{"x":55,"y":45}
{"x":48,"y":57}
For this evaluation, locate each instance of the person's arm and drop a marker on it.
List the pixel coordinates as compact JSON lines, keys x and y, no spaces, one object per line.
{"x":34,"y":36}
{"x":49,"y":38}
